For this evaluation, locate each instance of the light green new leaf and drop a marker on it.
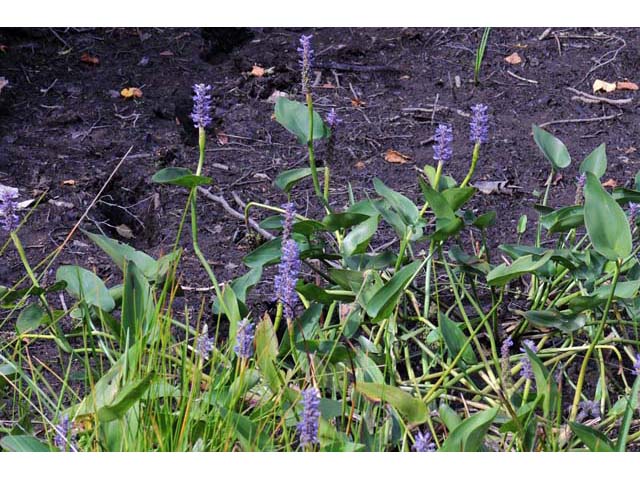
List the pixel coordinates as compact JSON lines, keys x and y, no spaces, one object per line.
{"x":179,"y":176}
{"x":594,"y":440}
{"x":287,"y":179}
{"x":125,"y":399}
{"x":468,"y":436}
{"x":84,"y":284}
{"x":294,"y":116}
{"x":596,"y":162}
{"x":30,"y":318}
{"x":410,"y":407}
{"x":606,"y":222}
{"x":503,"y":273}
{"x":553,"y":149}
{"x":24,"y":444}
{"x":385,"y":299}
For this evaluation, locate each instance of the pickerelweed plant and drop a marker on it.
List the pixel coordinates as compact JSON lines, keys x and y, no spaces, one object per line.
{"x":417,"y":344}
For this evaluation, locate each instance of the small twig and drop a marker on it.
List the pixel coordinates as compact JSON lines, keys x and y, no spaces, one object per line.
{"x":545,"y":34}
{"x":234,"y":213}
{"x":580,"y":120}
{"x":621,"y":101}
{"x":521,"y":78}
{"x":348,"y":67}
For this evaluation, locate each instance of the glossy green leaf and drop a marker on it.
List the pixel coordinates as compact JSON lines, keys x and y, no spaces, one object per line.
{"x":563,"y":219}
{"x":337,"y":221}
{"x":565,"y":322}
{"x":545,"y":383}
{"x":357,"y":240}
{"x":413,"y":409}
{"x":469,"y":435}
{"x":595,"y":440}
{"x":455,"y":339}
{"x":84,"y":284}
{"x":596,"y":162}
{"x":553,"y":149}
{"x":504,"y":273}
{"x":456,"y":197}
{"x":138,"y":311}
{"x":30,"y":318}
{"x":437,"y":202}
{"x":294,"y":116}
{"x":24,"y":444}
{"x":286,"y":180}
{"x":447,"y":228}
{"x":385,"y":299}
{"x":468,"y":263}
{"x":401,"y":204}
{"x":449,"y":416}
{"x":606,"y":222}
{"x":485,"y":220}
{"x":120,"y":253}
{"x":180,"y":176}
{"x":125,"y":399}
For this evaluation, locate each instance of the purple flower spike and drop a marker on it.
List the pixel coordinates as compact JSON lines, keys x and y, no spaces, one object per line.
{"x":289,"y":216}
{"x":588,"y":408}
{"x":201,"y":114}
{"x":332,"y":118}
{"x":285,"y":281}
{"x":504,"y":349}
{"x":581,"y":180}
{"x":310,"y":421}
{"x":244,"y":339}
{"x":423,"y":443}
{"x":442,"y":150}
{"x":636,"y":365}
{"x":306,"y":61}
{"x":527,"y":371}
{"x":9,"y":220}
{"x":204,"y":343}
{"x":479,"y":124}
{"x":64,"y":438}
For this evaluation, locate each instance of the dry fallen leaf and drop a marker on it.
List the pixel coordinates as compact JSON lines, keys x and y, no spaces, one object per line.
{"x":356,"y":102}
{"x":513,"y":59}
{"x":124,"y":231}
{"x":222,"y":137}
{"x":360,"y":165}
{"x":273,"y":98}
{"x":131,"y":92}
{"x":257,"y":71}
{"x":327,"y":85}
{"x":88,"y":59}
{"x":611,"y":183}
{"x":602,"y":85}
{"x":69,"y":182}
{"x":166,"y":53}
{"x":626,"y":85}
{"x":630,"y":150}
{"x":494,"y":186}
{"x":393,"y":156}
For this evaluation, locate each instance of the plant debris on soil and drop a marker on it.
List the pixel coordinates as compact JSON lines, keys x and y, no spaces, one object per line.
{"x":73,"y":102}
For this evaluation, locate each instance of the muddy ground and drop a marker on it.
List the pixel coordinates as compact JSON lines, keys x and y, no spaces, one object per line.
{"x":64,"y":126}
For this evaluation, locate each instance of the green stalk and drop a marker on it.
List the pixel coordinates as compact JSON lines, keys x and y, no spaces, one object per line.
{"x":592,"y":346}
{"x":628,"y":416}
{"x":474,"y":161}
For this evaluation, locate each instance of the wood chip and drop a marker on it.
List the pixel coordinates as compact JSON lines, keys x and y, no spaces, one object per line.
{"x":611,"y":183}
{"x":626,"y":86}
{"x":604,"y":86}
{"x":513,"y":59}
{"x":124,"y":231}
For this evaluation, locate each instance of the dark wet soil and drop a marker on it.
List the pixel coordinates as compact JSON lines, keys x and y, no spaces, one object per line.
{"x":64,"y":126}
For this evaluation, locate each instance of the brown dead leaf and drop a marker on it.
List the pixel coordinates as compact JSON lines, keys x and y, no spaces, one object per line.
{"x":630,"y":150}
{"x":166,"y":53}
{"x":131,"y":92}
{"x":357,"y":103}
{"x":626,"y":85}
{"x":513,"y":59}
{"x":89,"y":59}
{"x":222,"y":137}
{"x":602,"y":85}
{"x":327,"y":85}
{"x":557,"y":178}
{"x":124,"y":231}
{"x":611,"y":183}
{"x":359,"y":165}
{"x":257,"y":71}
{"x":393,"y":156}
{"x":70,"y":182}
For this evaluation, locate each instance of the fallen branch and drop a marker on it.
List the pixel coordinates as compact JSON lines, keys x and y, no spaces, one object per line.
{"x":580,"y":120}
{"x":234,"y":213}
{"x":620,"y":101}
